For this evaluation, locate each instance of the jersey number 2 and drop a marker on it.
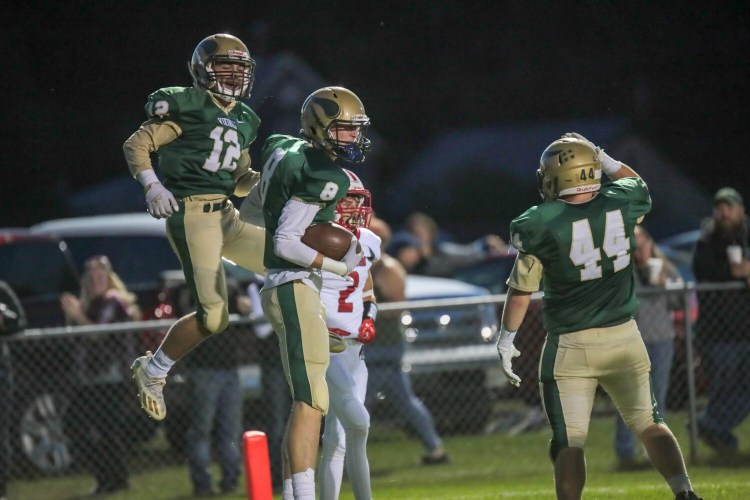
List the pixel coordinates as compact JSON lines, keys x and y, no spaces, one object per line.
{"x":344,"y":306}
{"x":615,"y":245}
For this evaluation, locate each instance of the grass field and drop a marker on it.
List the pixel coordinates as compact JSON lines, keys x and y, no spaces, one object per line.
{"x":484,"y":466}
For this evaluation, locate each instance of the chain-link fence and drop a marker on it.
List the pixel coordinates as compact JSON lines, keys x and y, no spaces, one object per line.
{"x":73,"y":401}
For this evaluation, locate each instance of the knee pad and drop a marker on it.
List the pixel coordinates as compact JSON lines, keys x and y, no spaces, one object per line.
{"x":637,"y":422}
{"x":355,"y":415}
{"x":571,"y":437}
{"x":215,"y":317}
{"x":316,"y":373}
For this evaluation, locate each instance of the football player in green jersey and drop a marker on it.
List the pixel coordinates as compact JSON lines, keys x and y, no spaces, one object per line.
{"x":201,"y":135}
{"x":578,"y":245}
{"x":300,"y":185}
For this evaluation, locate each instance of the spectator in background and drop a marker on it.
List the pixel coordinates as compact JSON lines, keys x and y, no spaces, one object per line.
{"x":422,"y":249}
{"x":722,"y":256}
{"x":653,"y":270}
{"x":384,"y":355}
{"x":12,"y":320}
{"x":215,"y":398}
{"x":104,"y":368}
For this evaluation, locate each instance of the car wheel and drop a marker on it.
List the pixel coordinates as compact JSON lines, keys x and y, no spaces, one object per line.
{"x":42,"y":441}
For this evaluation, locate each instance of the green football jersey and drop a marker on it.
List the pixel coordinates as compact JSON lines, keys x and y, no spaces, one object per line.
{"x":202,"y":159}
{"x":292,"y":168}
{"x":586,"y":253}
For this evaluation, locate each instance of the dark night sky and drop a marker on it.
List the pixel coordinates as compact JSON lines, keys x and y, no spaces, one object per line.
{"x":77,"y":74}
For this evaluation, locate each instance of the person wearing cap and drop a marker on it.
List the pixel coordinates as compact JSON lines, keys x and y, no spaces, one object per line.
{"x":722,"y":255}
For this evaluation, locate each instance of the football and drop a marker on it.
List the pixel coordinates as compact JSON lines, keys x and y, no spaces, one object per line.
{"x":328,"y":238}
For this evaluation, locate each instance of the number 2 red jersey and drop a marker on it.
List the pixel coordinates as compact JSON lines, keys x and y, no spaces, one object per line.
{"x":343,"y":298}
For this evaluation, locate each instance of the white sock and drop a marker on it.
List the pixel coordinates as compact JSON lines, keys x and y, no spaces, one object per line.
{"x":159,"y":365}
{"x":287,"y":493}
{"x":679,"y":483}
{"x":303,"y":484}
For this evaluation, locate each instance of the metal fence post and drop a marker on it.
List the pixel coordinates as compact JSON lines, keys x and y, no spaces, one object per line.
{"x":689,"y":362}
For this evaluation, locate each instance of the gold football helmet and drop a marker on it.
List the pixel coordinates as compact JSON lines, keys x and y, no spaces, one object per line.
{"x":331,"y":107}
{"x":222,"y":48}
{"x":568,"y":166}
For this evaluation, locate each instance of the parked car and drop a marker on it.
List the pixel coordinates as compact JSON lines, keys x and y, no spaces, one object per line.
{"x":50,"y":368}
{"x":38,"y":267}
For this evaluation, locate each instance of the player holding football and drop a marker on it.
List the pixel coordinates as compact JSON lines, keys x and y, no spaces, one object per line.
{"x":201,"y":134}
{"x":350,"y":315}
{"x":580,"y":242}
{"x":300,"y":185}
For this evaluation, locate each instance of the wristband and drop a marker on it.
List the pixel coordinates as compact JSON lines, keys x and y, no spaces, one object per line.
{"x":147,"y":177}
{"x":334,"y":266}
{"x":609,"y":165}
{"x":506,"y":336}
{"x":371,"y":310}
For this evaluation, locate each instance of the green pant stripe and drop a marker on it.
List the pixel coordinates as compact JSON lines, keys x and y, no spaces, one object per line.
{"x":655,"y":413}
{"x":551,"y":396}
{"x":176,"y":230}
{"x":294,"y":349}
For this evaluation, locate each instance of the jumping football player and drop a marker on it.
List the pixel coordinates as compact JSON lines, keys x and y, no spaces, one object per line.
{"x":300,"y":185}
{"x":351,"y":310}
{"x":201,"y":135}
{"x":580,"y":241}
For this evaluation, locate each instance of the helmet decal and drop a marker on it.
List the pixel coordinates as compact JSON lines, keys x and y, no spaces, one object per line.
{"x":330,"y":108}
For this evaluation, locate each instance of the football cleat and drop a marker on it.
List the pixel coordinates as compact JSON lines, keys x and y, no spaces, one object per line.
{"x":687,"y":495}
{"x":150,"y":390}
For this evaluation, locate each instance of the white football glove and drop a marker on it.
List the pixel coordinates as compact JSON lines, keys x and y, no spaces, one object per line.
{"x":507,"y":351}
{"x":161,"y":203}
{"x":609,"y":164}
{"x":353,"y":257}
{"x":576,"y":135}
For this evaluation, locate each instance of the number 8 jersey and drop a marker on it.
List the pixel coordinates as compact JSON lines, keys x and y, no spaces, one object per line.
{"x":343,"y":298}
{"x":586,"y":253}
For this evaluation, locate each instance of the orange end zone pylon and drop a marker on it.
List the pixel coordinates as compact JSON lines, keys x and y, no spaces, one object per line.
{"x":257,"y":466}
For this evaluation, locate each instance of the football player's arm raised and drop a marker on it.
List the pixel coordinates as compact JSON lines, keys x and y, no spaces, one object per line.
{"x":613,"y":168}
{"x":138,"y":148}
{"x":295,"y":218}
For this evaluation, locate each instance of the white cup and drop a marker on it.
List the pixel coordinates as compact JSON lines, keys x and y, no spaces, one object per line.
{"x":734,"y":254}
{"x":655,"y":266}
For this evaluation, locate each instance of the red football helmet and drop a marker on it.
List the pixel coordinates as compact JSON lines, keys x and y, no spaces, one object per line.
{"x":355,"y":209}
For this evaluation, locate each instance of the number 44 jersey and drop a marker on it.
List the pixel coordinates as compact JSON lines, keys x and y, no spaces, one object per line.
{"x":586,"y":253}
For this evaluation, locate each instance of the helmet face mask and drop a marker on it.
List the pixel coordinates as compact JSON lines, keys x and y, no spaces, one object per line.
{"x":568,"y":166}
{"x":328,"y":116}
{"x":354,"y":211}
{"x":225,"y":83}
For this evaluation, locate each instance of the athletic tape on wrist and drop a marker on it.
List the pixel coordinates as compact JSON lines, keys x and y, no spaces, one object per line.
{"x":148,"y":176}
{"x":334,"y":266}
{"x":370,"y":310}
